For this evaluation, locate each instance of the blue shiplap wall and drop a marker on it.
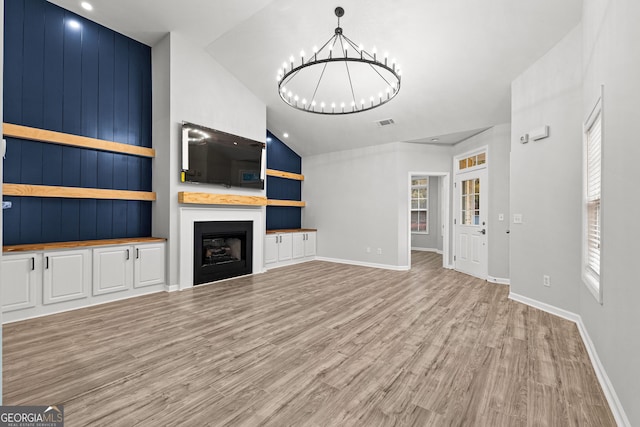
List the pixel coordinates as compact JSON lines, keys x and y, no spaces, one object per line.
{"x":283,"y":158}
{"x":67,"y":74}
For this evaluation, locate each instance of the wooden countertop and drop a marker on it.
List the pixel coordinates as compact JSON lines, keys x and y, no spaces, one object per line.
{"x":292,"y":230}
{"x":79,"y":244}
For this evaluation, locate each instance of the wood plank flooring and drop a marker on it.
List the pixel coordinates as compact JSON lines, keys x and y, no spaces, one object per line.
{"x":317,"y":344}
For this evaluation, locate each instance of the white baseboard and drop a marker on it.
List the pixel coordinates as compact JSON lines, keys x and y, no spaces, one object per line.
{"x":171,"y":288}
{"x":545,"y":307}
{"x":365,"y":264}
{"x":498,"y":280}
{"x":612,"y":398}
{"x":438,"y":251}
{"x":450,"y":266}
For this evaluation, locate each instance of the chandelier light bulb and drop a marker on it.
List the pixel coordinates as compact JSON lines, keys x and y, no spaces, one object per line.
{"x":322,"y":104}
{"x":289,"y":94}
{"x":304,"y":101}
{"x":295,"y":98}
{"x":302,"y":53}
{"x":283,"y":90}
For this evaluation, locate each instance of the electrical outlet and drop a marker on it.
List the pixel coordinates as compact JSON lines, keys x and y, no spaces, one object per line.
{"x":517,"y":218}
{"x":500,"y":217}
{"x":546,"y":280}
{"x":379,"y":251}
{"x":368,"y":250}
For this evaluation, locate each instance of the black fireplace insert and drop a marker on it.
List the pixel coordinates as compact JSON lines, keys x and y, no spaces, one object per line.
{"x":222,"y":249}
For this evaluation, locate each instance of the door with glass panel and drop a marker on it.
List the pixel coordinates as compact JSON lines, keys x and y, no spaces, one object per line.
{"x":470,"y":222}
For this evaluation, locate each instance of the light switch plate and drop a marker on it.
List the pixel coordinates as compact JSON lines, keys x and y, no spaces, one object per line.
{"x":500,"y":217}
{"x":517,"y":218}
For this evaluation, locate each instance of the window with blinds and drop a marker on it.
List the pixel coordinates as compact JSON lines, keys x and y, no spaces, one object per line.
{"x":593,"y":205}
{"x":420,"y":205}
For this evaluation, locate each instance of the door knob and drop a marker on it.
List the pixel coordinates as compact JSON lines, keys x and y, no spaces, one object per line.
{"x":483,"y":231}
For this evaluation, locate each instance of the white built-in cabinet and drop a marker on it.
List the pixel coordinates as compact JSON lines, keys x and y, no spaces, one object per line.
{"x":309,"y":244}
{"x":119,"y":268}
{"x":46,"y":282}
{"x":287,"y":248}
{"x":149,"y":265}
{"x":20,"y":281}
{"x":66,"y":275}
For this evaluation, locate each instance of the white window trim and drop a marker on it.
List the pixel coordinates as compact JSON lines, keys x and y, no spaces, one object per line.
{"x":592,"y":281}
{"x":426,"y":232}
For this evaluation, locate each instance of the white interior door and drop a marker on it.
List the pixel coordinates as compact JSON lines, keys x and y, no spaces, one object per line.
{"x":470,"y":223}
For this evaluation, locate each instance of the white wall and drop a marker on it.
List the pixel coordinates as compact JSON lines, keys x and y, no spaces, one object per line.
{"x":546,"y":181}
{"x":201,"y":91}
{"x":612,"y":58}
{"x":546,"y":177}
{"x":432,"y":240}
{"x":359,"y":198}
{"x":498,"y":141}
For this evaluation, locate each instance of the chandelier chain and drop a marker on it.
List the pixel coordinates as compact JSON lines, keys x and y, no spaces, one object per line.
{"x":346,"y":64}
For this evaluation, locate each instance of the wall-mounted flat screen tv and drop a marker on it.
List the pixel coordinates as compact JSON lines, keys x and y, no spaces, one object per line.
{"x":211,"y":156}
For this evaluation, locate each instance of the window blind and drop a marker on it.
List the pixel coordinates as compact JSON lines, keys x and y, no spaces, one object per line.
{"x":593,"y":190}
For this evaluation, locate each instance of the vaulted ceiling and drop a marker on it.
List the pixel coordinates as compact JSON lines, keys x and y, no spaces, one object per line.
{"x":458,"y":56}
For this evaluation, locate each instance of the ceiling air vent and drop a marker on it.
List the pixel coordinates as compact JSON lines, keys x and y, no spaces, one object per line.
{"x":385,"y":122}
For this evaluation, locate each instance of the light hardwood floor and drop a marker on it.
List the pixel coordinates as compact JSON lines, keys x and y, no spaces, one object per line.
{"x":312,"y":344}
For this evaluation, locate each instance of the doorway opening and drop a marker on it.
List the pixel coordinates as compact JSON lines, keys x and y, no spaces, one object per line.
{"x":428,"y":214}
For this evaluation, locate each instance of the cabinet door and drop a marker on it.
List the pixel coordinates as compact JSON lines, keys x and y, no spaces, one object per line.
{"x":285,"y":247}
{"x":20,"y":279}
{"x":298,"y":245}
{"x":270,"y":248}
{"x":149,"y":265}
{"x":67,"y":275}
{"x":112,"y":269}
{"x":310,"y":244}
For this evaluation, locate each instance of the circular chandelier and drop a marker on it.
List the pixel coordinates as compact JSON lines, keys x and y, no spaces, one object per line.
{"x":339,"y":78}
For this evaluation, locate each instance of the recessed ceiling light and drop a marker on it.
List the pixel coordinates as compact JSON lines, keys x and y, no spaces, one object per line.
{"x":286,"y":135}
{"x":86,"y":5}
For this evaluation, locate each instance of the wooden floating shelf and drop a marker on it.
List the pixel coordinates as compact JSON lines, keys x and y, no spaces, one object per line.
{"x":292,"y":230}
{"x":283,"y":174}
{"x":79,"y":244}
{"x":24,"y":190}
{"x":187,"y":197}
{"x":220,"y":199}
{"x":294,"y":203}
{"x":42,"y":135}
